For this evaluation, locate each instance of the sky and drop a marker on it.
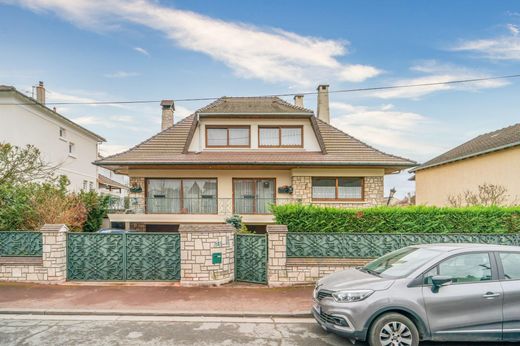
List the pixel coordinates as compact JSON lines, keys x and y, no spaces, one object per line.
{"x":90,"y":50}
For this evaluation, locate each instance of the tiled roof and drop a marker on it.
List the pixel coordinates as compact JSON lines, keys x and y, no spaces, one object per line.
{"x":488,"y":142}
{"x":109,"y":182}
{"x":252,"y":105}
{"x":168,"y":147}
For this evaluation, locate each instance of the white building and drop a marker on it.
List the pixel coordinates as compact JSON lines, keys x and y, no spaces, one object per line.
{"x":25,"y":120}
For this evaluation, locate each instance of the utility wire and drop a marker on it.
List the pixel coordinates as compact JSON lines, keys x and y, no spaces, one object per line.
{"x":460,"y":81}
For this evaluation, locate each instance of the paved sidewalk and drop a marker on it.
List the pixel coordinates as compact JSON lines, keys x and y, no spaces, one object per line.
{"x":233,"y":300}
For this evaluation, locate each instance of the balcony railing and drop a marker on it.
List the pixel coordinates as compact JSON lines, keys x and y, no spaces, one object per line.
{"x":219,"y":206}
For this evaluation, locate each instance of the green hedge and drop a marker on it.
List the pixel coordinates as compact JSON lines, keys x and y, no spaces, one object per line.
{"x":417,"y":219}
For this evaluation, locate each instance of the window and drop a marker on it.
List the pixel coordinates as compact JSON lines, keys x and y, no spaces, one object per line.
{"x":511,"y":264}
{"x":253,"y":196}
{"x":464,"y":268}
{"x":349,"y":189}
{"x":85,"y":185}
{"x":280,"y":136}
{"x":63,"y":132}
{"x":91,"y":186}
{"x":187,"y":196}
{"x":227,"y":136}
{"x":72,"y":148}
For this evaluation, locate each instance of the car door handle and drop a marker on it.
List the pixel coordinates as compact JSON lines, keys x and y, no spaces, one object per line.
{"x":491,"y":295}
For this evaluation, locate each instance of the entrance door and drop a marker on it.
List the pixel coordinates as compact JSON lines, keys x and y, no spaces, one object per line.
{"x":253,"y":196}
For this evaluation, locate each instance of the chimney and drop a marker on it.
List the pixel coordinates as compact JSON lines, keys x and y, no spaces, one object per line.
{"x":40,"y":93}
{"x":323,"y":103}
{"x":298,"y":100}
{"x":167,"y":113}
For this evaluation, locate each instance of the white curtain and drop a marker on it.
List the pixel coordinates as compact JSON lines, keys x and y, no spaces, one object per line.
{"x":163,"y":196}
{"x":238,"y":136}
{"x":217,"y":137}
{"x":291,"y":136}
{"x":269,"y":137}
{"x":350,"y":188}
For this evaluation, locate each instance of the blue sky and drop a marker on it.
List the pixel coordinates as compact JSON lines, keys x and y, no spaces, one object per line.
{"x":126,"y":50}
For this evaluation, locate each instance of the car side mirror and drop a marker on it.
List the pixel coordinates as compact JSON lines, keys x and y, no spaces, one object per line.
{"x":440,"y":280}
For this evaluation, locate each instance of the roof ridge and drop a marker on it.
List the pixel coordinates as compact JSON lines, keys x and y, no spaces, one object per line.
{"x":293,"y":105}
{"x":365,"y":144}
{"x":148,"y":139}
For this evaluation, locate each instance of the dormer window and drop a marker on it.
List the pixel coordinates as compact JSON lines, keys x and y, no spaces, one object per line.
{"x":228,"y":136}
{"x":280,"y":136}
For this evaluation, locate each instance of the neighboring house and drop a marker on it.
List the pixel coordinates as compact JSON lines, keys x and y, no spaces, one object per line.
{"x":491,"y":158}
{"x":239,"y":155}
{"x":113,"y":185}
{"x":62,"y":142}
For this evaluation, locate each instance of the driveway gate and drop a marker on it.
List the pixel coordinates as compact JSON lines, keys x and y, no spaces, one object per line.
{"x":127,"y":256}
{"x":251,"y":258}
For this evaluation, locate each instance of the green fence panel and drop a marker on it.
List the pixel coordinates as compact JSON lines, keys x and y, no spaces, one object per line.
{"x":153,"y":257}
{"x":20,"y":244}
{"x":120,"y":257}
{"x":95,"y":257}
{"x":251,"y":258}
{"x":358,"y":245}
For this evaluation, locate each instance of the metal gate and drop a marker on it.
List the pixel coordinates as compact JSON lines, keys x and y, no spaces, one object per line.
{"x":120,"y":257}
{"x":251,"y":258}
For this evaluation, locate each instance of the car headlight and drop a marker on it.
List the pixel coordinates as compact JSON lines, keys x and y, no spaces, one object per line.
{"x":351,"y":295}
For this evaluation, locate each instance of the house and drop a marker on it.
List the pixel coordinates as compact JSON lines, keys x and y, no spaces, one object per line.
{"x":63,"y":143}
{"x":491,"y":158}
{"x":113,"y":185}
{"x":239,"y":155}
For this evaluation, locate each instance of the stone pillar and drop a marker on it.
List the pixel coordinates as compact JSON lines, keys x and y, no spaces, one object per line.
{"x":302,"y":189}
{"x":54,"y":257}
{"x":198,"y":244}
{"x":374,"y":191}
{"x":137,"y":199}
{"x":277,"y":256}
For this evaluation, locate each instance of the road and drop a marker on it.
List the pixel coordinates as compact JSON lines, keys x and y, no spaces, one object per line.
{"x":139,"y":330}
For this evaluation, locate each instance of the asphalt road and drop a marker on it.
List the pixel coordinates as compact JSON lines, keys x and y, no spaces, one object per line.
{"x":133,"y":330}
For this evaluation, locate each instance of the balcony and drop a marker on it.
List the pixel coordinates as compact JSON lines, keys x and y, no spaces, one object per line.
{"x":199,"y":206}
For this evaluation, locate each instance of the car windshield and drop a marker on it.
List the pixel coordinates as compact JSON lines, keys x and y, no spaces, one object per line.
{"x":401,"y":262}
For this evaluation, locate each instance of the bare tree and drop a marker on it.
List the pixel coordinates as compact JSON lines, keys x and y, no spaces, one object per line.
{"x":487,"y":195}
{"x":22,"y":165}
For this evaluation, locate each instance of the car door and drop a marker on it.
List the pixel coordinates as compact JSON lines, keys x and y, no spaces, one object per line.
{"x":509,"y":267}
{"x":470,"y":308}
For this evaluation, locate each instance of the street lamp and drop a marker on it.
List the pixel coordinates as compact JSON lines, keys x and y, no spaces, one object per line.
{"x":392,"y":193}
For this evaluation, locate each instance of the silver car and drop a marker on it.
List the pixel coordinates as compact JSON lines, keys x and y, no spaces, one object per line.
{"x":440,"y":292}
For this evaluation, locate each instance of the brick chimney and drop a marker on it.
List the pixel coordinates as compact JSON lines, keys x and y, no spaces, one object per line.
{"x":40,"y":93}
{"x":323,"y":103}
{"x":298,"y":100}
{"x":167,"y":113}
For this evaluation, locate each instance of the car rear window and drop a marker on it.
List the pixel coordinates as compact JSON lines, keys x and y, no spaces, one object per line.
{"x":511,"y":265}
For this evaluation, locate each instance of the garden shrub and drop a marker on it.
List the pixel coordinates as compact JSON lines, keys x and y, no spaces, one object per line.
{"x":414,"y":219}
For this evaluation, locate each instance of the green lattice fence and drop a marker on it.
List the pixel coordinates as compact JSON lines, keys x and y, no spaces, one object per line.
{"x":119,"y":257}
{"x":20,"y":244}
{"x":251,"y":258}
{"x":357,"y":245}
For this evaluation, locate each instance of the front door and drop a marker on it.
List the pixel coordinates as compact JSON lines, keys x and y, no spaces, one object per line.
{"x":471,"y":307}
{"x":253,"y":196}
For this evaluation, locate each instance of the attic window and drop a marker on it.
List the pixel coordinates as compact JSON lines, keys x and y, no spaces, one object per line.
{"x":280,"y":136}
{"x":227,"y":136}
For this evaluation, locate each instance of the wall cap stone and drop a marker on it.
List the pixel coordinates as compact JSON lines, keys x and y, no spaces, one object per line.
{"x":54,"y":228}
{"x":276,"y":229}
{"x":205,"y":228}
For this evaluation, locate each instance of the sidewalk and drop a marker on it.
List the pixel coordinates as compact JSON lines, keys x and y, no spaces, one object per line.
{"x":232,"y":300}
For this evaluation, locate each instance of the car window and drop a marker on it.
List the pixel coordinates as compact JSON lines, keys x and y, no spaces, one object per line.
{"x":511,"y":265}
{"x":464,"y":268}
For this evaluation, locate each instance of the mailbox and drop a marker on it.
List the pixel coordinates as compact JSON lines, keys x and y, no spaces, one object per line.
{"x":216,"y":258}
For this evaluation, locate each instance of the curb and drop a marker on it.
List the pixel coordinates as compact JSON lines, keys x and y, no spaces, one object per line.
{"x":54,"y":312}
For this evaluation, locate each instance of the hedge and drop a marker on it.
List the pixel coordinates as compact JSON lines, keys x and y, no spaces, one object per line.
{"x":415,"y":219}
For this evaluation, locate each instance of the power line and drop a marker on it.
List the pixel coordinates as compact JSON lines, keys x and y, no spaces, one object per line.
{"x":460,"y":81}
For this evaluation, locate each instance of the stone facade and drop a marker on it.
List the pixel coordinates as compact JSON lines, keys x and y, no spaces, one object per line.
{"x":50,"y":268}
{"x":137,"y":226}
{"x":137,"y":199}
{"x":283,"y":271}
{"x":198,"y":244}
{"x":373,"y":190}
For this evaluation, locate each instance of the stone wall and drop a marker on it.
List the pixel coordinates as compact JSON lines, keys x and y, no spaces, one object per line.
{"x":198,"y":244}
{"x":50,"y":268}
{"x":283,"y":271}
{"x":137,"y":200}
{"x":373,"y":189}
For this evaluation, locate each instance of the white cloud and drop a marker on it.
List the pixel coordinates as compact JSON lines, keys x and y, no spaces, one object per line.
{"x":142,"y":51}
{"x":504,"y":47}
{"x":121,"y":74}
{"x":384,"y":127}
{"x":434,"y":72}
{"x":268,"y":54}
{"x":106,"y":149}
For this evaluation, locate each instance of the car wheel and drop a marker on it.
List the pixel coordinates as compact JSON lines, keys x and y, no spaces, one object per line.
{"x":393,"y":329}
